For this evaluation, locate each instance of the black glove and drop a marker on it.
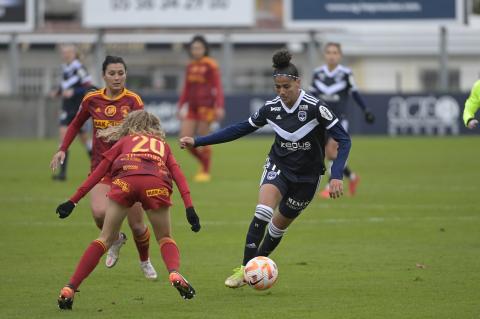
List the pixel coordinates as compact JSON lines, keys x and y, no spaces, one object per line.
{"x":65,"y":209}
{"x":193,"y":219}
{"x":369,"y":117}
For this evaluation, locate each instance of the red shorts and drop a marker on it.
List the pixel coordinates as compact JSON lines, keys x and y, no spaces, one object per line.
{"x":201,"y":113}
{"x":151,"y":191}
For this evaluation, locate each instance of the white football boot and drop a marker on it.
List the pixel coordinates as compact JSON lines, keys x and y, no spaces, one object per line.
{"x":114,"y":252}
{"x":148,"y":269}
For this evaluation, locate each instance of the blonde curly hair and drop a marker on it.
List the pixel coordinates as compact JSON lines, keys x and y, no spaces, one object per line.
{"x":137,"y":122}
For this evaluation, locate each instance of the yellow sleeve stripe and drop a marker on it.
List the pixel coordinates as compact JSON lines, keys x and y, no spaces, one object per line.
{"x":136,"y":96}
{"x":90,"y":94}
{"x":211,"y":62}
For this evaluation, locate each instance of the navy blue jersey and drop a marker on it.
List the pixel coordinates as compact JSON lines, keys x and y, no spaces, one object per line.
{"x":298,"y":149}
{"x":76,"y":77}
{"x":333,"y":87}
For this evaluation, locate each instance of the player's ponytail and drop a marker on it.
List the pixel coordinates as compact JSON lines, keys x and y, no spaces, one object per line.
{"x":282,"y":66}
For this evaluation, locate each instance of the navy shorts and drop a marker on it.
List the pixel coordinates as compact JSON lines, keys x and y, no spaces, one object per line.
{"x":70,"y":108}
{"x":66,"y":117}
{"x":295,"y":196}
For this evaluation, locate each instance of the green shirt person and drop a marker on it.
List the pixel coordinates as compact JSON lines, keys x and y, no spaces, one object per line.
{"x":471,"y":106}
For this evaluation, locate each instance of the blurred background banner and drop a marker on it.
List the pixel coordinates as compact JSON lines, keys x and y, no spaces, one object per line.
{"x":167,"y":13}
{"x":315,"y":13}
{"x":397,"y":114}
{"x":16,"y":15}
{"x":414,"y":75}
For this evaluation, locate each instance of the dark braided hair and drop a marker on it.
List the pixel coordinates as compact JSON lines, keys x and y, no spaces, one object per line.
{"x":282,"y":66}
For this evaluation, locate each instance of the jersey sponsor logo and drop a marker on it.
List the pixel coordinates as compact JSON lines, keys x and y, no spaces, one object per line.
{"x":125,"y":109}
{"x":271,"y":175}
{"x":110,"y":110}
{"x":330,"y":98}
{"x":255,"y":115}
{"x":302,"y":116}
{"x":297,"y":204}
{"x":295,"y":146}
{"x":101,"y":124}
{"x":325,"y":113}
{"x":278,"y":117}
{"x":130,"y":157}
{"x":275,"y":109}
{"x":122,"y":184}
{"x":163,"y":191}
{"x":139,"y":156}
{"x":130,"y":167}
{"x":303,"y":107}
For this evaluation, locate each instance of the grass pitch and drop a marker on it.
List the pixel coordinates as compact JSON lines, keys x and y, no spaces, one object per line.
{"x":407,"y":246}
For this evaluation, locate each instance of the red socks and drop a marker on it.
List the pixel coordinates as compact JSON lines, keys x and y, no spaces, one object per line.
{"x":203,"y":155}
{"x":88,"y":262}
{"x":143,"y":243}
{"x":206,"y":158}
{"x":170,"y":253}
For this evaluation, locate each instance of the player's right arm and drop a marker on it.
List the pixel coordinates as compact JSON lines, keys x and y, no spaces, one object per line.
{"x":229,"y":133}
{"x":72,"y":131}
{"x":471,"y":107}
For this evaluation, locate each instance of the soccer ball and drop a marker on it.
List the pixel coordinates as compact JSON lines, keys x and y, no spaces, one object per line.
{"x":261,"y":273}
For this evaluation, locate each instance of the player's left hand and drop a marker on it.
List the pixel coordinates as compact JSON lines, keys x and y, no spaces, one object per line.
{"x":336,"y":188}
{"x":369,"y":117}
{"x":193,"y":219}
{"x":65,"y":209}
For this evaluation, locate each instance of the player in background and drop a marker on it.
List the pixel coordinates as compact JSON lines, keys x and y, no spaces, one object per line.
{"x":142,"y":167}
{"x":333,"y":83}
{"x":108,"y":107}
{"x":201,"y":102}
{"x":75,"y":83}
{"x":471,"y":107}
{"x":294,"y":164}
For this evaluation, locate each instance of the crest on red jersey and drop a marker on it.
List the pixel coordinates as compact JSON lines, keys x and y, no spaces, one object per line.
{"x":125,"y":109}
{"x":110,"y":110}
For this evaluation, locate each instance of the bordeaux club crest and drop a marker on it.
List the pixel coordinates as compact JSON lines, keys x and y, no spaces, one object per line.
{"x":302,"y":116}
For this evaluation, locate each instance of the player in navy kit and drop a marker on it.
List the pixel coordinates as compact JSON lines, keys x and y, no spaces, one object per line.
{"x":294,"y":164}
{"x":334,"y":83}
{"x":75,"y":83}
